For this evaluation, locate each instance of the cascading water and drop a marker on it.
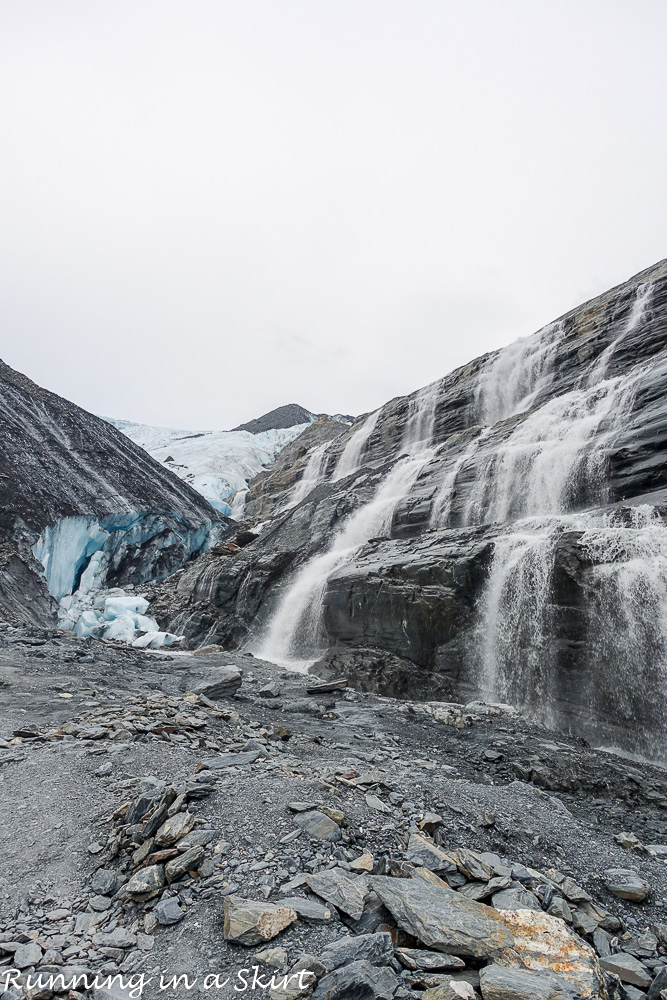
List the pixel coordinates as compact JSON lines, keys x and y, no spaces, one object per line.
{"x":294,"y":634}
{"x":312,"y":475}
{"x":552,"y":460}
{"x":628,"y":586}
{"x":353,"y":453}
{"x":516,"y":623}
{"x":543,"y":478}
{"x":637,"y":312}
{"x":517,"y":375}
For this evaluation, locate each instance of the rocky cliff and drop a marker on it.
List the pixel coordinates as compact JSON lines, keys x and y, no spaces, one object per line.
{"x":78,"y":497}
{"x":501,"y":532}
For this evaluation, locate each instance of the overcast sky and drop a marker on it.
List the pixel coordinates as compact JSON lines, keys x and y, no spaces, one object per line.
{"x":210,"y":208}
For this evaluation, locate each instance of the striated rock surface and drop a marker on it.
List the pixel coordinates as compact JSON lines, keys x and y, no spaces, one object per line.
{"x":73,"y":488}
{"x":499,"y":533}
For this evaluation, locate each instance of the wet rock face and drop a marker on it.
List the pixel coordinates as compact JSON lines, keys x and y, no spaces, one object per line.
{"x":514,"y":560}
{"x":59,"y":462}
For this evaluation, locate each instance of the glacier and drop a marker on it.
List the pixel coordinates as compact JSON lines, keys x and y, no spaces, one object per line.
{"x":218,"y":464}
{"x":80,"y":553}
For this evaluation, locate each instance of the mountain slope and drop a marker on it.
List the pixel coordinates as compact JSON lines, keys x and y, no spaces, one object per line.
{"x":77,"y":494}
{"x":219,"y":464}
{"x":501,"y":532}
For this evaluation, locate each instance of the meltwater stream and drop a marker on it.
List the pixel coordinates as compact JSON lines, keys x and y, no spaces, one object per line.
{"x":294,"y":635}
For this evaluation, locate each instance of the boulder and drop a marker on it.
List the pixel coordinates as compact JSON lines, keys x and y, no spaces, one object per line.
{"x":628,"y":969}
{"x":344,"y":891}
{"x":442,"y":919}
{"x":542,"y":943}
{"x":377,"y":949}
{"x":625,"y":883}
{"x":357,"y":981}
{"x":318,"y":826}
{"x":219,"y":682}
{"x":250,"y":922}
{"x":500,"y":983}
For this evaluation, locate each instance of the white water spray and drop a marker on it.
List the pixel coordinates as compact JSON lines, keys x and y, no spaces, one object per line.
{"x":352,"y":455}
{"x":312,"y":475}
{"x":294,"y":634}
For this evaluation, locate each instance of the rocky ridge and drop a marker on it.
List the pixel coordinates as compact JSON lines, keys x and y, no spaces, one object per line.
{"x":73,"y":485}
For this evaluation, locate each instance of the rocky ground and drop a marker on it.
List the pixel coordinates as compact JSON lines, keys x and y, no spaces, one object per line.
{"x":197,"y":815}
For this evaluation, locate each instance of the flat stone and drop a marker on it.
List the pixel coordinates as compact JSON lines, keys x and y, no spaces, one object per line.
{"x":318,"y":826}
{"x":359,"y":979}
{"x":168,"y":911}
{"x":308,"y":909}
{"x":627,"y":884}
{"x":27,"y":955}
{"x":628,"y":969}
{"x":377,"y":949}
{"x":515,"y":899}
{"x":500,"y":983}
{"x":423,"y":852}
{"x":174,"y":828}
{"x":276,"y":958}
{"x":299,"y":807}
{"x":184,"y":863}
{"x":118,"y":938}
{"x":233,"y":759}
{"x":100,"y":903}
{"x":429,"y":961}
{"x":219,"y":682}
{"x":442,"y":919}
{"x":250,"y":922}
{"x":270,"y":690}
{"x":365,"y":863}
{"x":347,"y":892}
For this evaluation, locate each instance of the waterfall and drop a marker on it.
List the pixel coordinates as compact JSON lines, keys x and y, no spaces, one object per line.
{"x":626,"y":647}
{"x":352,"y":455}
{"x":637,"y":312}
{"x":554,"y":459}
{"x":294,"y":635}
{"x":515,"y":620}
{"x":516,"y":375}
{"x":543,"y":476}
{"x":312,"y":475}
{"x":629,"y":628}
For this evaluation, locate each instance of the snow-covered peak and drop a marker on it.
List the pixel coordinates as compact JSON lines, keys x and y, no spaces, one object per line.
{"x":215,"y":463}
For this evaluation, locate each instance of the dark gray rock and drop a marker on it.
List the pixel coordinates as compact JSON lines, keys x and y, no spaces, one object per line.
{"x":627,"y":884}
{"x":429,"y":961}
{"x":515,"y":899}
{"x":318,"y":826}
{"x":358,"y":981}
{"x":168,"y":911}
{"x":344,"y":891}
{"x":377,"y":949}
{"x":220,"y":682}
{"x":442,"y":919}
{"x":628,"y":969}
{"x":500,"y":983}
{"x":307,"y":909}
{"x":233,"y":759}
